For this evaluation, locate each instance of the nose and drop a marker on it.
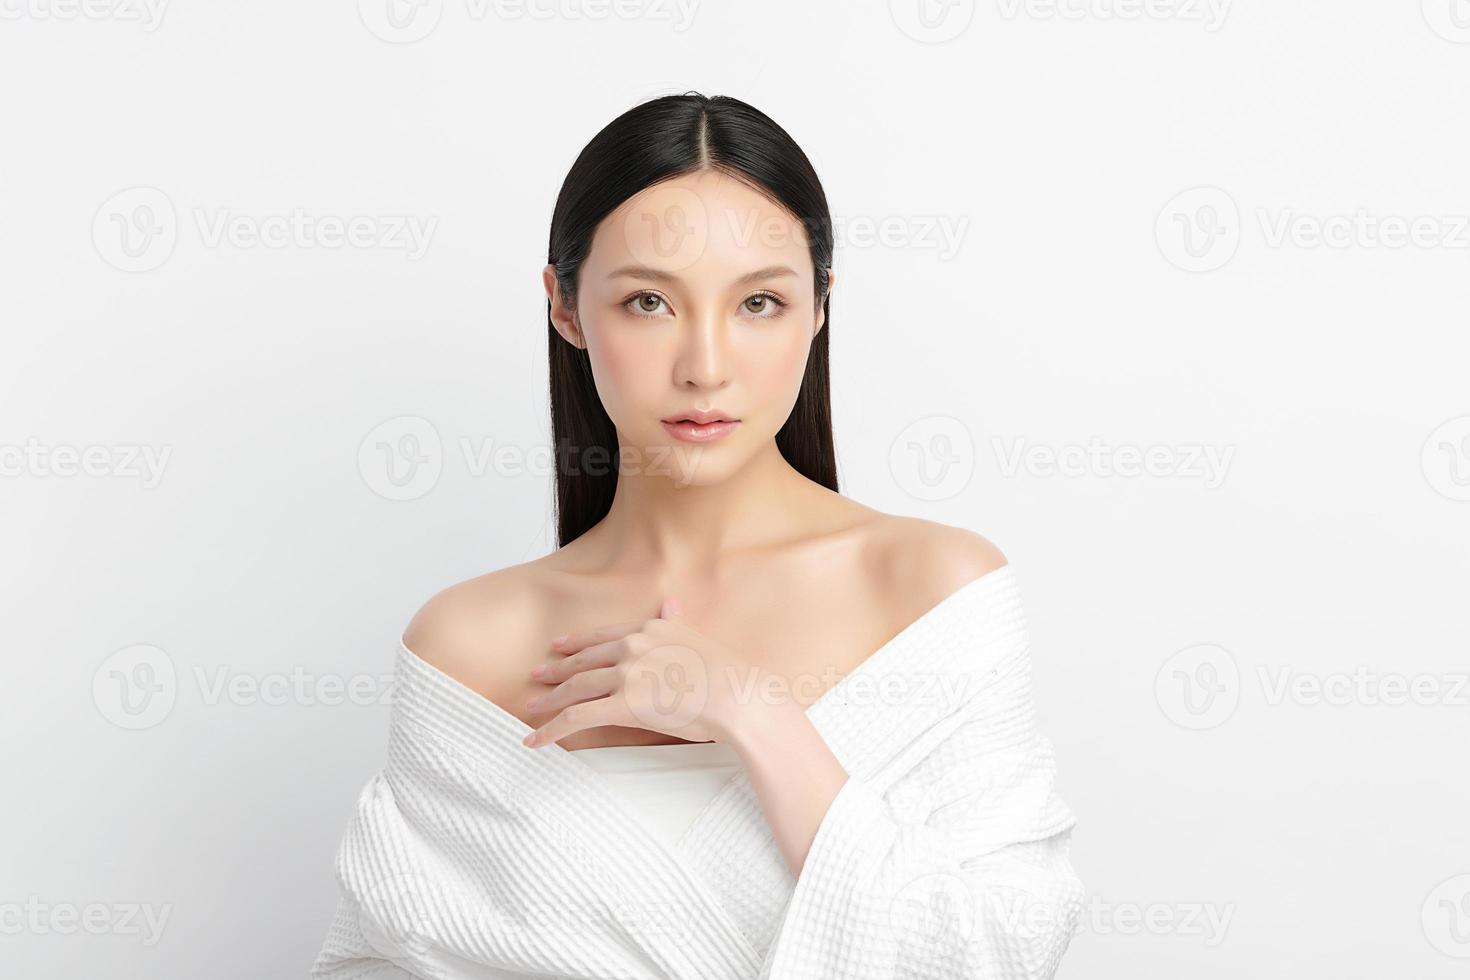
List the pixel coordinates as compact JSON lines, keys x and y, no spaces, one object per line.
{"x":703,"y":360}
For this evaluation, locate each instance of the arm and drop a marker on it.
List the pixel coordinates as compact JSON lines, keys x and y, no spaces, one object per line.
{"x":794,"y":774}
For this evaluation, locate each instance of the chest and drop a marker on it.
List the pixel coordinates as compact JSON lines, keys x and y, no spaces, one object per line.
{"x":802,"y":640}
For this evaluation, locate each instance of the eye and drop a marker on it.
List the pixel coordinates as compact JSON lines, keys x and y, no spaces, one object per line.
{"x":762,"y":305}
{"x":768,"y":306}
{"x":638,"y":305}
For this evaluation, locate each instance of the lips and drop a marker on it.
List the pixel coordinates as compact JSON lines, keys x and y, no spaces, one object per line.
{"x":700,"y":427}
{"x":702,"y":418}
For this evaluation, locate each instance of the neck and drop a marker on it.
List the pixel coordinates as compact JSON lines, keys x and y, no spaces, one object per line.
{"x":659,"y":524}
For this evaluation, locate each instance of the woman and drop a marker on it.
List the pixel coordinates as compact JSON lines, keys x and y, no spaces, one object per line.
{"x":776,"y":733}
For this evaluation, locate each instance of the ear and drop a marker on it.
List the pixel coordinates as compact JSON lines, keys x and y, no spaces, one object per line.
{"x":822,"y":310}
{"x":563,"y":317}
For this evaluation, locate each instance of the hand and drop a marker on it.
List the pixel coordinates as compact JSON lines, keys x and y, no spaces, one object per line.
{"x":658,"y":674}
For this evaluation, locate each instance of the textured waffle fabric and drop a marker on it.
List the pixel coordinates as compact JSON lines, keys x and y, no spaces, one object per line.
{"x":944,"y":856}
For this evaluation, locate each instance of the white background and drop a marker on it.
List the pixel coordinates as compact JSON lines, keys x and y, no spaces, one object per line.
{"x":1228,"y":827}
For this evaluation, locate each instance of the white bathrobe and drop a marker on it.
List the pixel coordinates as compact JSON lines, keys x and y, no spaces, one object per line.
{"x":944,"y":856}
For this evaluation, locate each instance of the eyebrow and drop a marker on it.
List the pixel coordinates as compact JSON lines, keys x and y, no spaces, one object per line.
{"x":656,"y":275}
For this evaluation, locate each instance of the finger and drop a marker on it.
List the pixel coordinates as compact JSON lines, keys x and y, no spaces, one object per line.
{"x":601,"y":655}
{"x":574,"y":718}
{"x":572,"y":642}
{"x":586,"y":685}
{"x":671,"y":609}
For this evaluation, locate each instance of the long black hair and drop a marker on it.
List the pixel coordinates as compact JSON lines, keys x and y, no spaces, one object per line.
{"x":658,"y":140}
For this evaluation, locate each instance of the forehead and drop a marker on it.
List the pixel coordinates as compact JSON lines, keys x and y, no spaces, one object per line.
{"x":705,"y":224}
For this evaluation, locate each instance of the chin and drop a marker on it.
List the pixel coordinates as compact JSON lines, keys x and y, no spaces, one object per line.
{"x":681,"y":463}
{"x":688,"y":465}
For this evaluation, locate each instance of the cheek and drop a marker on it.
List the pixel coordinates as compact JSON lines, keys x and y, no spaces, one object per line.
{"x":780,"y":366}
{"x":625,"y":372}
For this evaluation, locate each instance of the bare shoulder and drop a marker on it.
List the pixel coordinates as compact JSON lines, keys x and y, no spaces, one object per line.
{"x":481,"y":631}
{"x":924,"y":561}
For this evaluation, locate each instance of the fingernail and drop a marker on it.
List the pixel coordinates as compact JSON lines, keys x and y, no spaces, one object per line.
{"x":558,"y":641}
{"x":529,"y":739}
{"x":538,"y":670}
{"x":534,"y":702}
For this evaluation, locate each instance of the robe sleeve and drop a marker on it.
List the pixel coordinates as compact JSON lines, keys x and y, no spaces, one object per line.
{"x":969,"y":879}
{"x":382,"y":906}
{"x":347,"y":956}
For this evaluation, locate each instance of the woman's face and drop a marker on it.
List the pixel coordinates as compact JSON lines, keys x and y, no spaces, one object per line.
{"x":696,"y":297}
